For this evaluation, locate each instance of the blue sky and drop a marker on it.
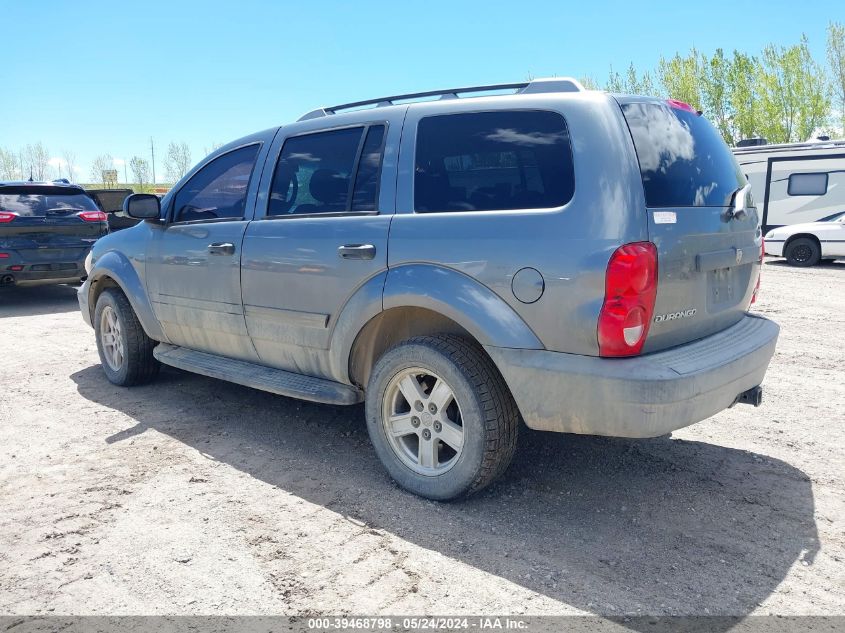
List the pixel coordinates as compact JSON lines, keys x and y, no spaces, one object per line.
{"x":103,"y":77}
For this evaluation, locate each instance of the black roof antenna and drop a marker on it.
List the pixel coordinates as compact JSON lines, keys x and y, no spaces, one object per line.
{"x":30,"y":174}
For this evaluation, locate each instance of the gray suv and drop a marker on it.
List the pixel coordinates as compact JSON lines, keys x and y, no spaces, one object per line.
{"x":580,"y":261}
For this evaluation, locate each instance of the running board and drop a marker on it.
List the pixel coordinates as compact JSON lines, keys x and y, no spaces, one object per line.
{"x":284,"y":383}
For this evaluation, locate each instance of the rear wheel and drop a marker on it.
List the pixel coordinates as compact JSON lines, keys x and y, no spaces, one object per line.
{"x":802,"y":252}
{"x":126,"y":352}
{"x":441,"y":417}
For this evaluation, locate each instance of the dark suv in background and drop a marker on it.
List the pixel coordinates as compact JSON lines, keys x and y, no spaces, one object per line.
{"x":46,"y":231}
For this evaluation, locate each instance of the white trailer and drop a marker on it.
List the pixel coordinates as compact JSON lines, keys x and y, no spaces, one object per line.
{"x":795,"y":183}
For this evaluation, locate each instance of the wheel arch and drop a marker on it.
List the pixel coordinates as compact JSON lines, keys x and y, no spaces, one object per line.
{"x":113,"y":270}
{"x":810,"y":236}
{"x":415,"y":300}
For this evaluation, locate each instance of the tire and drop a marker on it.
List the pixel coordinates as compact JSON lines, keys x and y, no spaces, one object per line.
{"x":135,"y":364}
{"x":803,"y":252}
{"x":481,"y":411}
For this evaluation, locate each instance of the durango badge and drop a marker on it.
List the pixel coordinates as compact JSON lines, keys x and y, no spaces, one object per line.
{"x":683,"y":314}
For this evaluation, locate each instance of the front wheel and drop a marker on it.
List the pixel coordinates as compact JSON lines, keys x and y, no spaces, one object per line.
{"x":803,"y":252}
{"x":441,"y":417}
{"x":126,"y":352}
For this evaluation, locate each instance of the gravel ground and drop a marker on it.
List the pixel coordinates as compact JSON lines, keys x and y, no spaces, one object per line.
{"x":194,"y":496}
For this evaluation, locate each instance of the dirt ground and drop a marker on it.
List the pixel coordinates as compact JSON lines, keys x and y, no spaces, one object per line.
{"x":194,"y":496}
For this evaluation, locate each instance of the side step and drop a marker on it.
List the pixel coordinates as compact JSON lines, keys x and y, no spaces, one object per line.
{"x":284,"y":383}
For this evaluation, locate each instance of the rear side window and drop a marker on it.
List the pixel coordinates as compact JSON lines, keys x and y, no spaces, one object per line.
{"x":683,"y":160}
{"x":807,"y":184}
{"x":38,"y":201}
{"x":335,"y":171}
{"x":491,"y":161}
{"x":219,"y":189}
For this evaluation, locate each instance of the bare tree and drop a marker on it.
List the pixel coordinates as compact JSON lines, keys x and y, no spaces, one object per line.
{"x":36,"y":158}
{"x":101,"y":164}
{"x":178,"y":160}
{"x":70,"y":162}
{"x":8,"y":165}
{"x":206,"y":150}
{"x":140,"y":170}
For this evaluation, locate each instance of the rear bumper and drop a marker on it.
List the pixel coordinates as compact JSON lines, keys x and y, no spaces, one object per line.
{"x":645,"y":396}
{"x":69,"y":269}
{"x":41,"y":277}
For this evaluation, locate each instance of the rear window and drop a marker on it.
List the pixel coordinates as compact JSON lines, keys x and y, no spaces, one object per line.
{"x":683,"y":160}
{"x":489,"y":161}
{"x":31,"y":201}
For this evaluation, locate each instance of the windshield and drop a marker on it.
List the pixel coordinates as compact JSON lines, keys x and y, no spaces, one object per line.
{"x":31,"y":201}
{"x":683,"y":160}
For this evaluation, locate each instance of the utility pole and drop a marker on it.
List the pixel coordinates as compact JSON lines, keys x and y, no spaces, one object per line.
{"x":153,"y":155}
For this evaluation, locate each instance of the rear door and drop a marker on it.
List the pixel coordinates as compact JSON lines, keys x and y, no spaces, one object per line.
{"x":708,"y":253}
{"x":320,"y":236}
{"x":50,"y":228}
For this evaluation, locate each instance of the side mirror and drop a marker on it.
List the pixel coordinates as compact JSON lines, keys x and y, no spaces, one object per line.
{"x":142,"y":206}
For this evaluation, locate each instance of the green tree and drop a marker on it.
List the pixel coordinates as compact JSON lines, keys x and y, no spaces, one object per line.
{"x":793,"y":95}
{"x":836,"y":61}
{"x":744,"y":106}
{"x":639,"y":84}
{"x":614,"y":82}
{"x":715,"y":93}
{"x":680,"y":78}
{"x":589,"y":83}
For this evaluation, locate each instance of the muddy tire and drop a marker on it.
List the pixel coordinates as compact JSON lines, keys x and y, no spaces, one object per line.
{"x":440,"y":416}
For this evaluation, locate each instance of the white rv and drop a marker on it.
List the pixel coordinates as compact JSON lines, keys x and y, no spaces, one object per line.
{"x":795,"y":183}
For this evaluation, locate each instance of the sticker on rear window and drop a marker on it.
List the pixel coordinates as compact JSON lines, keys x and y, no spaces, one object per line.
{"x":665,"y":217}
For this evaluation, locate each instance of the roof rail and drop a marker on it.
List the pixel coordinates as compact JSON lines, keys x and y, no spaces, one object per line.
{"x":536,"y":86}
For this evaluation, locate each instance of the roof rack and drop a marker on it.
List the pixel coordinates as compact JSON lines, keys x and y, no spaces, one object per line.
{"x":536,"y":86}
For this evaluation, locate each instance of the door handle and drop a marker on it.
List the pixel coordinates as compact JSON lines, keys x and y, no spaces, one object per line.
{"x":221,"y":248}
{"x":356,"y":251}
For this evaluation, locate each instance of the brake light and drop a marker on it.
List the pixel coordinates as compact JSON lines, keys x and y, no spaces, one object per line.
{"x":4,"y":255}
{"x":760,"y":272}
{"x":93,"y":216}
{"x":5,"y":216}
{"x":680,"y":105}
{"x":630,"y":291}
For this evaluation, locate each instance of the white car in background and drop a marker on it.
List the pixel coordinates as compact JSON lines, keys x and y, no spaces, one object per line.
{"x":808,"y":244}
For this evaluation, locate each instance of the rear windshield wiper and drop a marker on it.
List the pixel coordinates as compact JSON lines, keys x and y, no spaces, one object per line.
{"x":739,"y":202}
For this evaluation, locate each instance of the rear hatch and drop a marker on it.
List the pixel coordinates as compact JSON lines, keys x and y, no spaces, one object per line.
{"x":708,"y":250}
{"x":43,"y":224}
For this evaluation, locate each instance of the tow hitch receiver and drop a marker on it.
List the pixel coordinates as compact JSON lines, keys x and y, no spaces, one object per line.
{"x":752,"y":396}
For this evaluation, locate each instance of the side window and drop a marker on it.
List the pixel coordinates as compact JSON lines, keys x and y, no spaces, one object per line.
{"x":365,"y":194}
{"x":807,"y":184}
{"x":316,"y":172}
{"x":219,"y":189}
{"x":487,"y":161}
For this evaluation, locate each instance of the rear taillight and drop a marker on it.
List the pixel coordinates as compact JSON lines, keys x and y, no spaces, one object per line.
{"x":93,"y":216}
{"x":680,"y":105}
{"x":630,"y":290}
{"x":5,"y":216}
{"x":759,"y":272}
{"x":4,"y":255}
